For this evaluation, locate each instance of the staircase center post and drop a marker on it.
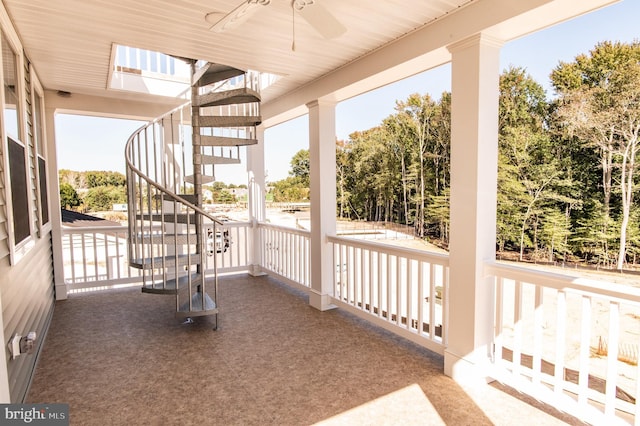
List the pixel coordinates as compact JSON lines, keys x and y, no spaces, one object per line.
{"x":197,"y":169}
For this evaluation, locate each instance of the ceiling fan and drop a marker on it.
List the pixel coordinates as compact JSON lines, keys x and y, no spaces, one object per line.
{"x":311,"y":11}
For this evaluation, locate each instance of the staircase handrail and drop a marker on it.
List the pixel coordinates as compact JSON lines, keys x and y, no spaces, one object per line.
{"x":165,"y":190}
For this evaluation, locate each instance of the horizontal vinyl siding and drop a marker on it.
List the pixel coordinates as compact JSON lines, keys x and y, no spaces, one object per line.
{"x":31,"y":149}
{"x":4,"y":225}
{"x":27,"y":305}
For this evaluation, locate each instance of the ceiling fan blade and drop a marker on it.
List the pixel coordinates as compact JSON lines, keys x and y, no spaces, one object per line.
{"x":319,"y":18}
{"x":238,"y":15}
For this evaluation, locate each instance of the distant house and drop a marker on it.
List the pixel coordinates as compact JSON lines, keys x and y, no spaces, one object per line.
{"x":239,"y":193}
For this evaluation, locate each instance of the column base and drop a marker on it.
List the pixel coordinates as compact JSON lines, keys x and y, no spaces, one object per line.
{"x":466,"y":371}
{"x":321,"y":302}
{"x":256,"y":271}
{"x":61,"y":292}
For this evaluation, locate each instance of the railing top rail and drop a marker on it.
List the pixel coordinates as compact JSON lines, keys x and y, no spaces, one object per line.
{"x":234,"y":224}
{"x":90,"y":229}
{"x":427,"y":256}
{"x":287,"y":229}
{"x":170,"y":194}
{"x":563,"y":282}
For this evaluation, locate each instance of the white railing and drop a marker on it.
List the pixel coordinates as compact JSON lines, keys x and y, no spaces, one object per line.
{"x":285,"y":253}
{"x":572,"y":342}
{"x":403,"y":290}
{"x":96,"y":257}
{"x":392,"y":285}
{"x":234,"y":255}
{"x":150,"y":61}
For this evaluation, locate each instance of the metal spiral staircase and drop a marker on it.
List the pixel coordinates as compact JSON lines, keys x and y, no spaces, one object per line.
{"x":173,"y":240}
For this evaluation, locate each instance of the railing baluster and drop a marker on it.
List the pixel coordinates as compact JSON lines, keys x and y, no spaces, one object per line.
{"x":409,"y":295}
{"x":637,"y":391}
{"x":73,"y":261}
{"x":95,"y":256}
{"x":350,"y":272}
{"x":380,"y":280}
{"x":433,"y":294}
{"x":248,"y":245}
{"x":398,"y":291}
{"x":585,"y":351}
{"x":296,"y":260}
{"x":359,"y":280}
{"x":612,"y":358}
{"x":537,"y":334}
{"x":372,"y":279}
{"x":287,"y":239}
{"x":561,"y":311}
{"x":445,"y":306}
{"x":498,"y":330}
{"x":389,"y":284}
{"x":117,"y":244}
{"x":517,"y":327}
{"x":84,"y":259}
{"x":420,"y":301}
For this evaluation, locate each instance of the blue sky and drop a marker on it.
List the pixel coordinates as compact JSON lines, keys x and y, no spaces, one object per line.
{"x":89,"y":143}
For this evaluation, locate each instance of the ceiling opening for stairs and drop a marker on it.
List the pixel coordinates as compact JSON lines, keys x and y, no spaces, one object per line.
{"x":155,"y":73}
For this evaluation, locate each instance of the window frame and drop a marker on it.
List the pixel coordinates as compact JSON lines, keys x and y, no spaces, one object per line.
{"x":17,"y":250}
{"x":40,"y":153}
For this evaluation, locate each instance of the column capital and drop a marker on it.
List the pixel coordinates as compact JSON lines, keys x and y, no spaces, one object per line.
{"x":321,"y":102}
{"x":475,"y":40}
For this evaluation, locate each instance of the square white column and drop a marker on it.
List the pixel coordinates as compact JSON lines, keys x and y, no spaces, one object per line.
{"x":256,"y":199}
{"x":474,"y":173}
{"x":322,"y":159}
{"x":54,"y":205}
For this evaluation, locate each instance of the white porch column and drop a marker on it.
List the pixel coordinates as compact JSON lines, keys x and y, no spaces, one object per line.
{"x":256,"y":200}
{"x":322,"y":159}
{"x":474,"y":172}
{"x":54,"y":204}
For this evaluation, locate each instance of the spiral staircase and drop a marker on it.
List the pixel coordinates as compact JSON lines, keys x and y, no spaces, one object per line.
{"x":173,"y":240}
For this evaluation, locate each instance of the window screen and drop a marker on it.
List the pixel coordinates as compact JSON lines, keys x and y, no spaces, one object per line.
{"x":19,"y":191}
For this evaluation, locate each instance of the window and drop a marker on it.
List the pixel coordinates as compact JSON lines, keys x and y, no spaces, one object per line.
{"x":17,"y":155}
{"x":10,"y":69}
{"x":38,"y":135}
{"x":19,"y":191}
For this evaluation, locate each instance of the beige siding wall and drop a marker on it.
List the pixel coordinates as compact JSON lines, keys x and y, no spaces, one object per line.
{"x":27,"y":305}
{"x":4,"y":234}
{"x":31,"y":149}
{"x":26,"y":272}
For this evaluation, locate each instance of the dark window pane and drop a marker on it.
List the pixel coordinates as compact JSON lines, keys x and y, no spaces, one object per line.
{"x":44,"y":201}
{"x":19,"y":191}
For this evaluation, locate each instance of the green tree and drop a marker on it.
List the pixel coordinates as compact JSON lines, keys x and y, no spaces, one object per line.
{"x":68,"y":196}
{"x":342,"y":167}
{"x":600,"y":104}
{"x":291,"y":189}
{"x":531,"y":178}
{"x":300,"y":166}
{"x":220,"y":193}
{"x":102,"y":198}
